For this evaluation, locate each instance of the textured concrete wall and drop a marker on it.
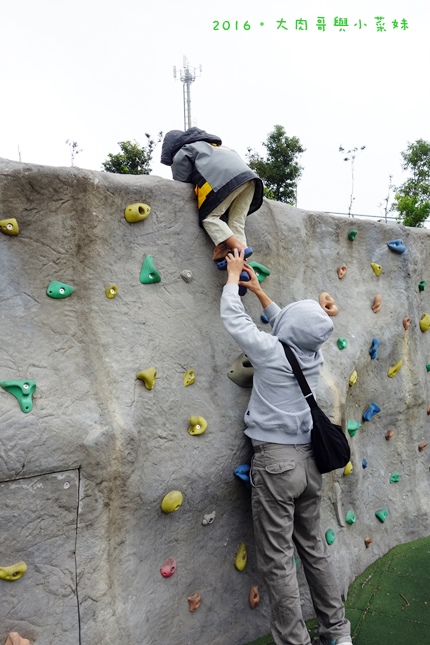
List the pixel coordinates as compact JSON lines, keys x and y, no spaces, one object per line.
{"x":83,"y":474}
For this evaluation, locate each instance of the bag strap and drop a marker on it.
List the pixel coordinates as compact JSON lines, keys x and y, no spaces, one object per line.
{"x":307,"y":392}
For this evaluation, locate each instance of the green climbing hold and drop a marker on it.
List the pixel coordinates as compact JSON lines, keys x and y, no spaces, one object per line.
{"x":9,"y":226}
{"x":395,"y":477}
{"x":352,"y":427}
{"x":350,"y":517}
{"x":352,"y":234}
{"x":330,"y":536}
{"x":148,"y":376}
{"x":382,"y":514}
{"x":137,"y":212}
{"x":260,"y":270}
{"x":422,"y":285}
{"x":428,"y":367}
{"x":425,"y":322}
{"x":342,"y":343}
{"x":22,"y":391}
{"x":149,"y":274}
{"x":59,"y":290}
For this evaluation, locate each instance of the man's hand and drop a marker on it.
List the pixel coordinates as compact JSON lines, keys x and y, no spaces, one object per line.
{"x":234,"y":266}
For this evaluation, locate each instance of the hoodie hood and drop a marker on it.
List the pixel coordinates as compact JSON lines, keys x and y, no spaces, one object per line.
{"x":175,"y":139}
{"x":305,"y":326}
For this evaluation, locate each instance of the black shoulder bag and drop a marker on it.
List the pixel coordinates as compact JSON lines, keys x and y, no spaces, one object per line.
{"x":330,"y":445}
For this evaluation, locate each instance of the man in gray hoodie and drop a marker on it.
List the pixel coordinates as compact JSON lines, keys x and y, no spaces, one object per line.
{"x":286,"y":483}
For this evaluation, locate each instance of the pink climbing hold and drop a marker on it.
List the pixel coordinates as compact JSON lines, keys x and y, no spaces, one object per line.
{"x":15,"y":639}
{"x":168,"y":568}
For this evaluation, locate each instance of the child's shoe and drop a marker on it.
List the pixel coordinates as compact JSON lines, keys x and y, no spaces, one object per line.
{"x":222,"y":266}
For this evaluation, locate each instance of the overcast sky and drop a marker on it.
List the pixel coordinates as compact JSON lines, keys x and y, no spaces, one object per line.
{"x":101,"y":71}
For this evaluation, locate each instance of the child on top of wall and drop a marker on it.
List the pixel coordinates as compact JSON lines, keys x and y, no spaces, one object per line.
{"x":224,"y":184}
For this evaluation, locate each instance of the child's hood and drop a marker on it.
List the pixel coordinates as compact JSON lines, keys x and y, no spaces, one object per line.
{"x":175,"y":139}
{"x":303,"y":325}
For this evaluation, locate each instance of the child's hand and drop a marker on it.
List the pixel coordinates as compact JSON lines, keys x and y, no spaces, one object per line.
{"x":253,"y":285}
{"x":234,"y":266}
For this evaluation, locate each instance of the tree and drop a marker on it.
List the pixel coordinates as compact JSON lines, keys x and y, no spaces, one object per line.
{"x":350,"y":156}
{"x":73,"y":146}
{"x":412,"y":199}
{"x":133,"y":159}
{"x":279,"y":169}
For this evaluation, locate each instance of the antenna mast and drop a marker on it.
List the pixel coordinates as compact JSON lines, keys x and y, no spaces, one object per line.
{"x":187,"y":76}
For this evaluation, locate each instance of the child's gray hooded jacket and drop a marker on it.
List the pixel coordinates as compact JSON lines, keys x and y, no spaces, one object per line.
{"x":277,"y":411}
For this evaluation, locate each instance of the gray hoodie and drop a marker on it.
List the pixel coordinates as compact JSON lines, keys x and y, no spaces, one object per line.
{"x":277,"y":411}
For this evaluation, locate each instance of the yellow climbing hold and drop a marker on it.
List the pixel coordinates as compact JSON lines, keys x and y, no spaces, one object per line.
{"x":241,"y":557}
{"x":172,"y":501}
{"x":425,"y":322}
{"x":136,"y":212}
{"x":353,"y":378}
{"x":376,"y":267}
{"x":198,"y":425}
{"x":111,"y":291}
{"x":148,"y":376}
{"x":189,"y":377}
{"x":9,"y":226}
{"x":348,"y":468}
{"x":14,"y":572}
{"x":393,"y":370}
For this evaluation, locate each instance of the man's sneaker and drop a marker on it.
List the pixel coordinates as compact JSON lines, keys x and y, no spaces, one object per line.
{"x":343,"y":640}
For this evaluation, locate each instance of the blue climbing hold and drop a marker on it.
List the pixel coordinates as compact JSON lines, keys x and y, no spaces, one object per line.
{"x":371,"y":411}
{"x":244,"y":277}
{"x":364,"y":462}
{"x":242,"y":472}
{"x":396,"y":246}
{"x":265,"y":320}
{"x":222,"y":264}
{"x":373,"y":351}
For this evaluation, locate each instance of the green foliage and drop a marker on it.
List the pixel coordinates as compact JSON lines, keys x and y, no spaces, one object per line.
{"x":133,"y":159}
{"x":279,"y":169}
{"x":412,"y":199}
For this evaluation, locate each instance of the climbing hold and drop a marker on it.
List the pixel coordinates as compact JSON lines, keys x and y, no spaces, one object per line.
{"x":396,"y":246}
{"x":328,"y":303}
{"x":296,"y":561}
{"x":341,"y":271}
{"x":376,"y":268}
{"x":368,"y":541}
{"x":209,"y":518}
{"x":393,"y":370}
{"x":371,"y":411}
{"x":148,"y":376}
{"x":382,"y":514}
{"x":241,"y":372}
{"x":172,"y":501}
{"x":421,"y":446}
{"x":168,"y":568}
{"x":350,"y":517}
{"x":377,"y":303}
{"x":406,"y":323}
{"x":244,"y":277}
{"x":22,"y":391}
{"x":111,"y":291}
{"x":14,"y":572}
{"x":352,"y":427}
{"x":395,"y":477}
{"x":264,"y":319}
{"x":428,"y":410}
{"x":422,"y":285}
{"x":428,"y":367}
{"x":260,"y":270}
{"x":342,"y":343}
{"x":197,"y":426}
{"x":195,"y":601}
{"x":373,"y":351}
{"x":242,"y":472}
{"x":9,"y":226}
{"x":352,"y":234}
{"x":148,"y":273}
{"x":186,"y":275}
{"x":425,"y":322}
{"x":189,"y":377}
{"x":364,"y":463}
{"x":254,"y":596}
{"x":59,"y":290}
{"x":389,"y":435}
{"x":348,"y":468}
{"x":136,"y":212}
{"x":14,"y":638}
{"x":353,"y":378}
{"x":241,"y":557}
{"x":330,"y":536}
{"x":222,"y":264}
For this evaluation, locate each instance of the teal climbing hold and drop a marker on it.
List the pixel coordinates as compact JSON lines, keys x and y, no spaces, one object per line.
{"x":428,"y":367}
{"x":422,"y":285}
{"x":352,"y":427}
{"x":350,"y":517}
{"x":352,"y":235}
{"x":260,"y":270}
{"x":382,"y":514}
{"x":395,"y":477}
{"x":59,"y":290}
{"x":342,"y":343}
{"x":149,"y":274}
{"x":330,"y":536}
{"x":22,"y":391}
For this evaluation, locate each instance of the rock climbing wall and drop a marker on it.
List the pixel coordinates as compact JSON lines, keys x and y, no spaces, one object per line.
{"x":88,"y":452}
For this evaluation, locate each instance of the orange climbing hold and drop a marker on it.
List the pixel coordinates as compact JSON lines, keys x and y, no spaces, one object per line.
{"x":254,"y":596}
{"x":389,"y":435}
{"x":328,"y":303}
{"x":377,"y":303}
{"x":195,"y":600}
